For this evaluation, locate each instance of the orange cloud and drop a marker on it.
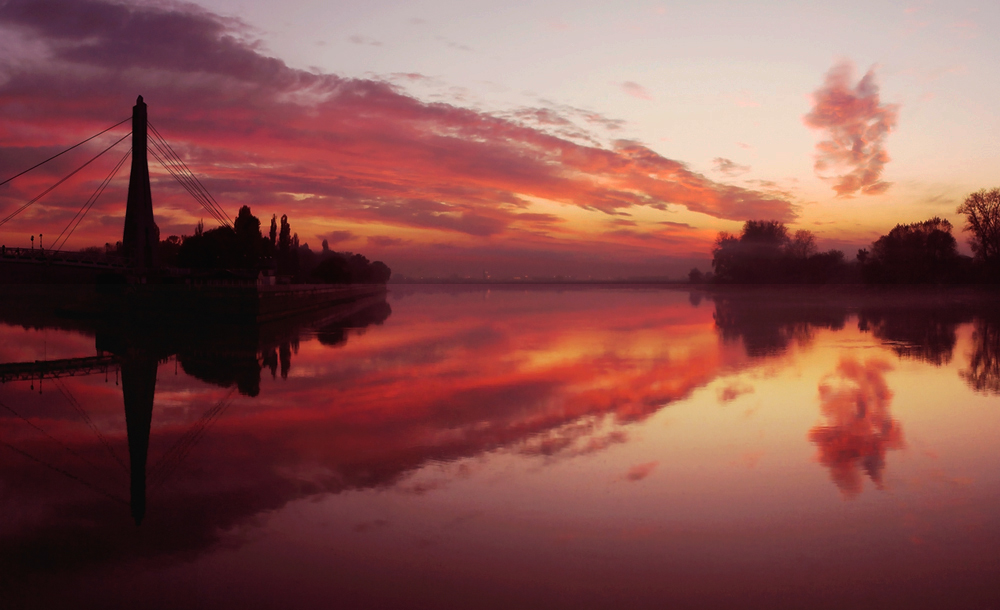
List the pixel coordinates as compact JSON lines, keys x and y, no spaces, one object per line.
{"x":320,"y":147}
{"x":859,"y":429}
{"x":366,"y":415}
{"x":857,"y":124}
{"x":640,"y":471}
{"x":729,"y":167}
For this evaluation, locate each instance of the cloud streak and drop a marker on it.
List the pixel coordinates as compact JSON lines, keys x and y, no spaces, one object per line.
{"x":729,"y":167}
{"x":636,"y":90}
{"x":319,"y":146}
{"x":856,"y":124}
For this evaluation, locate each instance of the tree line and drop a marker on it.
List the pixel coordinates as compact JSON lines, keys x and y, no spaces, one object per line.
{"x":244,"y":249}
{"x":926,"y":252}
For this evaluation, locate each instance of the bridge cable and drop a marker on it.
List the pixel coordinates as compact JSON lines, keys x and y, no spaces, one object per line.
{"x":65,"y":473}
{"x":86,"y":418}
{"x":185,"y":180}
{"x":173,"y":457}
{"x":190,"y":189}
{"x":193,"y":177}
{"x":184,"y":175}
{"x":63,"y":152}
{"x":78,"y":217}
{"x":51,"y":188}
{"x":54,"y":439}
{"x":212,"y":199}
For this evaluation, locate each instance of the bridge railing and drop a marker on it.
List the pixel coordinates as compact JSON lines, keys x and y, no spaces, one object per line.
{"x":41,"y":255}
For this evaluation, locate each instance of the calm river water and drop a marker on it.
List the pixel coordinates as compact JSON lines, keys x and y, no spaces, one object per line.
{"x":512,"y":448}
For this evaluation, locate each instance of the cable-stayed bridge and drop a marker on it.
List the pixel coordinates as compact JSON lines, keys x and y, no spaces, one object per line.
{"x":137,"y":256}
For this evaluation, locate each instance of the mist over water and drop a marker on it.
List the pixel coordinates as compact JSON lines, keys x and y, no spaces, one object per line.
{"x":509,"y":447}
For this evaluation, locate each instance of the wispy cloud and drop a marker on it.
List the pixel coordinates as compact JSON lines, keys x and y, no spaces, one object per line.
{"x":364,"y":40}
{"x":728,"y":167}
{"x":316,"y":145}
{"x":385,"y":241}
{"x":336,"y":237}
{"x":636,"y":90}
{"x":640,"y":471}
{"x":454,"y":45}
{"x":857,"y":125}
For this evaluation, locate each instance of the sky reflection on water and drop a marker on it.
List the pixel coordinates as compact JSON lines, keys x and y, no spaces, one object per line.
{"x":533,"y":448}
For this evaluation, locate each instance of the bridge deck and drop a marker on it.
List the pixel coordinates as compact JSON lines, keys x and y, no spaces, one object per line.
{"x":66,"y":367}
{"x":61,"y":257}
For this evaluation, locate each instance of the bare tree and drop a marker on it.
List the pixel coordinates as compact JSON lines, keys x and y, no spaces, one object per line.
{"x":802,"y":245}
{"x":982,"y":215}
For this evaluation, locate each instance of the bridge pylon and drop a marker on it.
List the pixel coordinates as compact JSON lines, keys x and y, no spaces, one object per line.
{"x":141,"y":236}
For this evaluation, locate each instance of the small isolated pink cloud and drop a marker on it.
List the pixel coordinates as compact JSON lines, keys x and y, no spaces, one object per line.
{"x":636,"y":90}
{"x":856,"y":124}
{"x":729,"y":167}
{"x":385,"y":241}
{"x":336,"y":237}
{"x":640,"y":471}
{"x":745,"y":99}
{"x":733,"y":391}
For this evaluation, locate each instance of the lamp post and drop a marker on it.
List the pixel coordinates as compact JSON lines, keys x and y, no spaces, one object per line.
{"x":32,"y":244}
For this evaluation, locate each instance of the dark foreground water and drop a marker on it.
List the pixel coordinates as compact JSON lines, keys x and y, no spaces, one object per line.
{"x":509,"y":448}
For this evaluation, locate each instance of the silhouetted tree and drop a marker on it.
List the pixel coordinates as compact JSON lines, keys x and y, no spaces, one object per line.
{"x":771,"y":233}
{"x":274,"y":232}
{"x":917,"y":253}
{"x":224,"y":248}
{"x":982,"y":220}
{"x":287,"y":255}
{"x":726,"y":257}
{"x":169,"y":249}
{"x":350,"y":268}
{"x":214,"y":249}
{"x":248,"y":237}
{"x":285,"y":236}
{"x":802,"y":245}
{"x":695,"y":276}
{"x":764,"y":253}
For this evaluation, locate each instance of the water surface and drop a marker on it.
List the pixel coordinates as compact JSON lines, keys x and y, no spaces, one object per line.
{"x":502,"y":447}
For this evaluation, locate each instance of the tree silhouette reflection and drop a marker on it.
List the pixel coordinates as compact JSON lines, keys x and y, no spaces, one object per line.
{"x":335,"y":334}
{"x":925,"y":334}
{"x":768,"y":326}
{"x":859,"y":429}
{"x":983,"y":373}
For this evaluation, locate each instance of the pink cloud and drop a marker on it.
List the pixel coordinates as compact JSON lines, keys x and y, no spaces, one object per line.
{"x":859,"y":429}
{"x":729,"y":167}
{"x":640,"y":471}
{"x":315,"y":145}
{"x":636,"y":90}
{"x":745,"y":99}
{"x":336,"y":237}
{"x":385,"y":241}
{"x":856,"y":124}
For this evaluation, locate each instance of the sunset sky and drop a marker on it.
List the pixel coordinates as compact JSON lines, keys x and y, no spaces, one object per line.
{"x":518,"y":138}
